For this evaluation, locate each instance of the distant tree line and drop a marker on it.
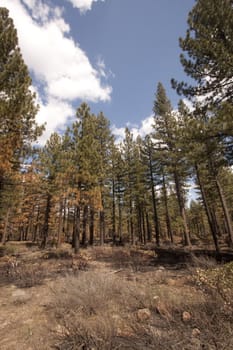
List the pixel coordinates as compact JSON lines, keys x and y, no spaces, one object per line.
{"x":83,"y":187}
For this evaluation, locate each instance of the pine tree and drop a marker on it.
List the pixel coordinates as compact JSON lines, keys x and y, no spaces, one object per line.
{"x":17,"y":103}
{"x":209,"y":47}
{"x":17,"y":107}
{"x":166,"y":136}
{"x":153,"y":178}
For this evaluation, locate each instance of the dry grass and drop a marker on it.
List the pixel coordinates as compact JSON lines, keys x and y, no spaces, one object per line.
{"x":97,"y":311}
{"x":120,"y":302}
{"x":24,"y":275}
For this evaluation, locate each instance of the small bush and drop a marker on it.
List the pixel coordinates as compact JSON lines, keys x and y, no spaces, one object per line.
{"x":59,"y":253}
{"x":7,"y":250}
{"x":218,"y":279}
{"x":22,"y":275}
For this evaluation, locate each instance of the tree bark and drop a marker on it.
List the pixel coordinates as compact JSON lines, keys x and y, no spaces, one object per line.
{"x":208,"y":211}
{"x":6,"y":222}
{"x":155,"y":212}
{"x":85,"y":219}
{"x":168,"y":219}
{"x":91,"y":226}
{"x":76,"y":230}
{"x":226,"y":211}
{"x":46,"y":221}
{"x":182,"y":209}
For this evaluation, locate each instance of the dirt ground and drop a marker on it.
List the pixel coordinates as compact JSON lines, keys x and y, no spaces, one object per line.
{"x":164,"y":307}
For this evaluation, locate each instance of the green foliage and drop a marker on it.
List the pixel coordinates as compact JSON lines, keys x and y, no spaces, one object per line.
{"x":209,"y":47}
{"x":17,"y":102}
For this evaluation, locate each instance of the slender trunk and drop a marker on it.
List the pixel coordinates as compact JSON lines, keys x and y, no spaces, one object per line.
{"x":143,"y":226}
{"x":113,"y":212}
{"x":208,"y":211}
{"x":6,"y":223}
{"x":85,"y":219}
{"x":46,"y":221}
{"x":131,"y":227}
{"x":101,"y":218}
{"x":226,"y":211}
{"x":148,"y":228}
{"x":182,"y":209}
{"x":60,"y":224}
{"x":76,"y":230}
{"x":139,"y":221}
{"x":167,"y":215}
{"x":91,"y":226}
{"x":155,"y":212}
{"x":119,"y":231}
{"x":36,"y":226}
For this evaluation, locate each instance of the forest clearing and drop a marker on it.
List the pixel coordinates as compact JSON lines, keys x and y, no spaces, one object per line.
{"x":112,"y":298}
{"x":112,"y":243}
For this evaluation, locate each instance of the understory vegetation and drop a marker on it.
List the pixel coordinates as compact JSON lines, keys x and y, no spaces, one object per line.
{"x":120,"y":298}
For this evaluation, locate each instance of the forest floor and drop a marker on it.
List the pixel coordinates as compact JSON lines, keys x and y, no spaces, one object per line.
{"x":108,"y":298}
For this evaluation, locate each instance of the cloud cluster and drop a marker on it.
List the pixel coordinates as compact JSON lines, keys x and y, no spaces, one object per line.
{"x":145,"y":128}
{"x":61,"y":69}
{"x":83,"y":5}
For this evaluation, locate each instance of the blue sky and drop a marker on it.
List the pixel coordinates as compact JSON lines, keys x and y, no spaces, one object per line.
{"x":110,"y":53}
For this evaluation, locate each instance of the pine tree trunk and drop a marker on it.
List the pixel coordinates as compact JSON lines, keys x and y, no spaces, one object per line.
{"x":226,"y":211}
{"x":60,"y":224}
{"x":85,"y":219}
{"x":36,"y":226}
{"x":182,"y":210}
{"x":208,"y":211}
{"x":76,"y":230}
{"x":143,"y":226}
{"x":148,"y":228}
{"x":155,"y":212}
{"x":131,"y":226}
{"x":46,"y":222}
{"x":91,"y":226}
{"x":167,"y":215}
{"x":101,"y":218}
{"x":139,"y":224}
{"x":119,"y":231}
{"x":113,"y":212}
{"x":6,"y":223}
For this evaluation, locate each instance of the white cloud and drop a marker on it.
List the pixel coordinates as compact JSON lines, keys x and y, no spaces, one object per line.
{"x":142,"y":130}
{"x":59,"y":112}
{"x":83,"y":5}
{"x":61,"y":68}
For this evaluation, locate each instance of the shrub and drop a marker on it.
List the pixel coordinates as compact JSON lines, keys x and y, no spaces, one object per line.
{"x":22,"y":275}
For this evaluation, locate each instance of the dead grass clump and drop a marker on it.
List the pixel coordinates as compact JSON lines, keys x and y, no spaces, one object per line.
{"x":59,"y":253}
{"x":203,"y":262}
{"x":24,"y":275}
{"x":98,"y":311}
{"x":7,"y":250}
{"x":218,"y":280}
{"x":124,"y":258}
